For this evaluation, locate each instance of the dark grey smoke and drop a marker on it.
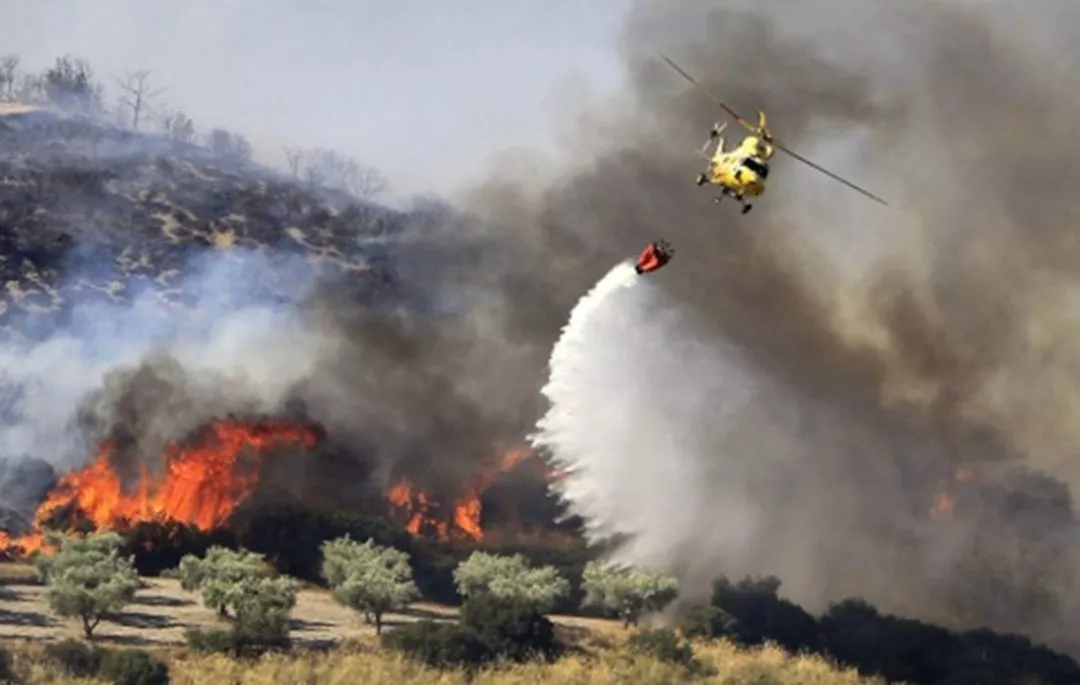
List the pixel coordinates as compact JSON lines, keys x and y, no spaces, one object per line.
{"x":901,"y":345}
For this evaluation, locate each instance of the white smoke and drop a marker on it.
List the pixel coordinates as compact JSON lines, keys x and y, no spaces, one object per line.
{"x":228,"y":343}
{"x":639,"y":404}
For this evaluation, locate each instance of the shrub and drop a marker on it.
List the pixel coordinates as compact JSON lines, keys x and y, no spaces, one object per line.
{"x":510,"y":577}
{"x":706,"y":621}
{"x":6,"y":673}
{"x":133,"y":667}
{"x":86,"y":577}
{"x":369,"y":578}
{"x":627,"y":593}
{"x":662,"y":644}
{"x":440,"y":645}
{"x":510,"y":628}
{"x":77,"y":658}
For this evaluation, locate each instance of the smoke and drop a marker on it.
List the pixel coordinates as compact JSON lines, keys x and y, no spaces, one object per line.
{"x":885,"y":349}
{"x":811,"y":374}
{"x":150,"y":371}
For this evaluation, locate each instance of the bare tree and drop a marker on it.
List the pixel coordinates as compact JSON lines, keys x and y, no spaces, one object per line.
{"x":179,"y":128}
{"x":70,"y":84}
{"x":9,"y":65}
{"x":136,"y":95}
{"x":369,"y":182}
{"x":231,"y":146}
{"x":294,"y":156}
{"x":334,"y":170}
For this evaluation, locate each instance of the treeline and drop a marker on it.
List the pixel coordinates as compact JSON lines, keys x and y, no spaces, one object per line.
{"x":289,"y":541}
{"x":138,"y":105}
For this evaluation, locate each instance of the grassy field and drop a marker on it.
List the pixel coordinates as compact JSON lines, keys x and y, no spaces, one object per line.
{"x":341,"y":649}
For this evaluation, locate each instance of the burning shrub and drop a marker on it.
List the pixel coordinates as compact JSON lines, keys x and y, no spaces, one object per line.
{"x":292,"y":535}
{"x":160,"y":546}
{"x":627,"y":593}
{"x":369,"y":578}
{"x":510,"y":577}
{"x":87,"y":578}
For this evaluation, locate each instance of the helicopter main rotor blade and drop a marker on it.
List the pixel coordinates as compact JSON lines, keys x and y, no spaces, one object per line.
{"x":828,"y":173}
{"x":720,"y":103}
{"x":750,"y":127}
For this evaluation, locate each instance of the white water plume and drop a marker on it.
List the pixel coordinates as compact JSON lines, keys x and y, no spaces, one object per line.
{"x":639,"y":402}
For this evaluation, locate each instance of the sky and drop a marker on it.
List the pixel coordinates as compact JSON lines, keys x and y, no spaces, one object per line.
{"x":426,"y":91}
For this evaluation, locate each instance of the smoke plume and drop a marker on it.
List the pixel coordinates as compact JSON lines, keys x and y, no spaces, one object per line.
{"x":893,"y":354}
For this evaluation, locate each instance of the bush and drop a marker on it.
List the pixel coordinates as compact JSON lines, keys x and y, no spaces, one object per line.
{"x":77,"y":658}
{"x":440,"y":645}
{"x":6,"y":674}
{"x":510,"y":628}
{"x":369,"y":578}
{"x":627,"y":593}
{"x":133,"y":667}
{"x":234,"y":641}
{"x":87,"y":578}
{"x":706,"y":621}
{"x":510,"y":577}
{"x":662,"y":644}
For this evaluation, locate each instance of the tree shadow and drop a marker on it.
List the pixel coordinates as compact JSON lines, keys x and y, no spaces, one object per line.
{"x":129,"y":640}
{"x":162,"y":601}
{"x":137,"y":619}
{"x":427,"y":613}
{"x":301,"y":624}
{"x":24,"y":618}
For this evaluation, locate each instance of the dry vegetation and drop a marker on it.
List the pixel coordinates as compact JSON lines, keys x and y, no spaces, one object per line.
{"x":156,"y":621}
{"x":360,"y":663}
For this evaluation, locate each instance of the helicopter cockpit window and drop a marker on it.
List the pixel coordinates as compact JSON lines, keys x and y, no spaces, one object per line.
{"x":757,"y":167}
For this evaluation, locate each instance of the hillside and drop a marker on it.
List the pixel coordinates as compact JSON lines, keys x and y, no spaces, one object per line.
{"x":126,"y":212}
{"x":111,"y":237}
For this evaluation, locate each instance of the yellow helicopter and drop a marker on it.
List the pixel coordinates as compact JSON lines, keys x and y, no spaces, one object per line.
{"x":741,"y":172}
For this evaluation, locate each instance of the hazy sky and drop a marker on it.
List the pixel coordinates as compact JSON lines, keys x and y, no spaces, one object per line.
{"x":424,"y":90}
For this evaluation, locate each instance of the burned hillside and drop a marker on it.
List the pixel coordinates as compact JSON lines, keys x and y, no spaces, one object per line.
{"x":209,"y":311}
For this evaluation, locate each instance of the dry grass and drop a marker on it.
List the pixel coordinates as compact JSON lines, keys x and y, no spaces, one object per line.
{"x":17,"y":574}
{"x":733,"y":666}
{"x":162,"y":611}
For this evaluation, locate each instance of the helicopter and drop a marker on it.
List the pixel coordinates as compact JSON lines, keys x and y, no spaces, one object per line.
{"x":742,"y":171}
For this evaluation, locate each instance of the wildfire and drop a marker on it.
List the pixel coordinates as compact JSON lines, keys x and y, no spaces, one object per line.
{"x":944,"y":501}
{"x":420,"y":509}
{"x":203,"y":480}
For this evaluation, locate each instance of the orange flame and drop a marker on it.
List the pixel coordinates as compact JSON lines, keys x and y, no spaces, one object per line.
{"x":417,"y":506}
{"x":944,"y":501}
{"x":203,"y":481}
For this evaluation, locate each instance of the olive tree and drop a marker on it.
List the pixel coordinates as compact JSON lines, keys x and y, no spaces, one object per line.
{"x":217,"y":575}
{"x":86,"y":577}
{"x":625,"y":592}
{"x":510,"y":577}
{"x":368,"y":578}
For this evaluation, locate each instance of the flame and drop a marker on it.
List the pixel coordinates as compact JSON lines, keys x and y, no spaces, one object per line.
{"x":943,"y":504}
{"x":202,"y":482}
{"x":944,"y":501}
{"x":467,"y":509}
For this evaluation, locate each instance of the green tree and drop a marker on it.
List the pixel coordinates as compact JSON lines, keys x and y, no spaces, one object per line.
{"x":86,"y":577}
{"x":510,"y":577}
{"x":368,"y":578}
{"x":627,"y":593}
{"x":217,"y":575}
